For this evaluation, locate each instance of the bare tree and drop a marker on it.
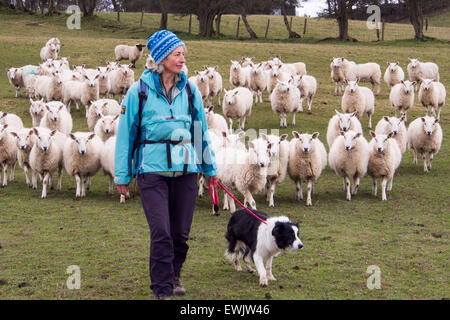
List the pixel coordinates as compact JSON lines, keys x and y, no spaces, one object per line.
{"x":340,"y":9}
{"x":116,"y":6}
{"x":87,"y":6}
{"x":244,"y":7}
{"x":292,"y":34}
{"x":164,"y":14}
{"x":416,"y":17}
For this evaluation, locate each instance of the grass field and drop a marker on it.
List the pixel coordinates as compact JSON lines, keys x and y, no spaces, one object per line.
{"x":407,"y":237}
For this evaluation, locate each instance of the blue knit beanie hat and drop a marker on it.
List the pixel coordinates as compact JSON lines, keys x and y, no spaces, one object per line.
{"x":162,"y":43}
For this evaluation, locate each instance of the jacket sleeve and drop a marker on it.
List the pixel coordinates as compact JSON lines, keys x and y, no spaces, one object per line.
{"x":126,"y":134}
{"x":202,"y":142}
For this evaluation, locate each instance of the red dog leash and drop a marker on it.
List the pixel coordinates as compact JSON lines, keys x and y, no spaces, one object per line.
{"x":215,"y":200}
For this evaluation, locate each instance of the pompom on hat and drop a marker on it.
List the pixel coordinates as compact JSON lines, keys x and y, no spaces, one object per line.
{"x":162,"y":43}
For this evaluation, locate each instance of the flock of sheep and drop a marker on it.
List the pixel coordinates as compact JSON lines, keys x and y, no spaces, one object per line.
{"x":53,"y":86}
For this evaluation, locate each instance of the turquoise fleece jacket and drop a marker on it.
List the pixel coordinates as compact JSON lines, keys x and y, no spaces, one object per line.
{"x":162,"y":121}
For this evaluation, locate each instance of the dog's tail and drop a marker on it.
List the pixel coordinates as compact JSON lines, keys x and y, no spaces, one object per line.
{"x":235,"y":251}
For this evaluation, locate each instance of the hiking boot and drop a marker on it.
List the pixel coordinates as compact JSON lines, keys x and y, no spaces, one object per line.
{"x":178,"y":288}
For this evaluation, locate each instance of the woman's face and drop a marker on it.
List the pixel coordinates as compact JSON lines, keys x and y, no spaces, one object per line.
{"x":175,"y":60}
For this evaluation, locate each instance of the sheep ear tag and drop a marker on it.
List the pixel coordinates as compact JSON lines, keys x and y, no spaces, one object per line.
{"x":123,"y":110}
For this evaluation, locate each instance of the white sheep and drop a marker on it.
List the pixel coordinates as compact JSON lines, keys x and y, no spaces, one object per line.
{"x":103,"y":81}
{"x":432,"y":94}
{"x":46,"y":157}
{"x":285,"y":98}
{"x":385,"y":157}
{"x":215,"y":83}
{"x":48,"y":52}
{"x":342,"y":122}
{"x":348,"y":158}
{"x":107,"y":164}
{"x":276,"y":172}
{"x":56,"y":117}
{"x":11,"y":119}
{"x":307,"y":159}
{"x":422,"y":70}
{"x":24,"y":143}
{"x":244,"y":171}
{"x":237,"y":103}
{"x":395,"y":125}
{"x":366,"y":72}
{"x":121,"y":79}
{"x":337,"y":75}
{"x":258,"y":81}
{"x":201,"y":80}
{"x":15,"y":79}
{"x":215,"y":121}
{"x":394,"y":74}
{"x":8,"y":153}
{"x":308,"y":87}
{"x":82,"y":158}
{"x":56,"y":42}
{"x":106,"y":127}
{"x":274,"y":76}
{"x":239,"y":76}
{"x":99,"y":108}
{"x":81,"y":91}
{"x":402,"y":97}
{"x":49,"y":87}
{"x":359,"y":99}
{"x":425,"y":138}
{"x":132,"y":53}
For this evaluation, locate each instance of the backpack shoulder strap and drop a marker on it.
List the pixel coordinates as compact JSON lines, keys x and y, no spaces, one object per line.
{"x":143,"y":94}
{"x":190,"y":97}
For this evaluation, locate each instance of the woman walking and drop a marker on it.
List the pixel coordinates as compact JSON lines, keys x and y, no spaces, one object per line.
{"x":162,"y":138}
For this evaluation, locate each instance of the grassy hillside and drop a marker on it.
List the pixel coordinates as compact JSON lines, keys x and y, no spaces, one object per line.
{"x":407,"y":237}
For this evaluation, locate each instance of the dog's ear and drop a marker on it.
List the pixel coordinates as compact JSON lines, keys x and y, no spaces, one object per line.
{"x":277,"y":229}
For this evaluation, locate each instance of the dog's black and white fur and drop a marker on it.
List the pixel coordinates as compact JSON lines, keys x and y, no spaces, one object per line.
{"x":249,"y":237}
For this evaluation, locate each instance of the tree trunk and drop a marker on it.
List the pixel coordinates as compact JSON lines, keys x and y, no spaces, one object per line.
{"x":142,"y":17}
{"x":163,"y":22}
{"x":117,"y":9}
{"x":205,"y":23}
{"x":416,"y":18}
{"x":20,"y":5}
{"x":51,"y":7}
{"x":218,"y":18}
{"x":292,"y":34}
{"x":87,"y":6}
{"x":342,"y":20}
{"x":247,"y":26}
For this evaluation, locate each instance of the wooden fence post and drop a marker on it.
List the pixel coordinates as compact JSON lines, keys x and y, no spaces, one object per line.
{"x":142,"y":17}
{"x":382,"y":30}
{"x":290,"y":24}
{"x":267,"y":28}
{"x":304,"y":27}
{"x":190,"y":23}
{"x":237,"y":29}
{"x":426,"y":24}
{"x":378,"y":33}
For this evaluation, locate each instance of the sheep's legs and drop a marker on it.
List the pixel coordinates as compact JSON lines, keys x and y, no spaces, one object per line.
{"x":430,"y":158}
{"x":242,"y":125}
{"x":293,"y":118}
{"x":355,"y":185}
{"x":33,"y":179}
{"x":249,"y":199}
{"x":271,"y":194}
{"x":78,"y":191}
{"x":336,"y":89}
{"x":383,"y":189}
{"x":310,"y":105}
{"x":299,"y":194}
{"x":5,"y":175}
{"x":374,"y":187}
{"x":225,"y":201}
{"x":83,"y":187}
{"x":269,"y":269}
{"x":111,"y":184}
{"x":12,"y":171}
{"x":60,"y":175}
{"x":415,"y":157}
{"x":390,"y":183}
{"x":27,"y":179}
{"x":347,"y":187}
{"x":45,"y":181}
{"x":231,"y":124}
{"x":425,"y":160}
{"x":309,"y":189}
{"x":370,"y":120}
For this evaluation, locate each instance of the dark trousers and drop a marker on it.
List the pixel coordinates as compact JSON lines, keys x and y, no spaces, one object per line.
{"x":169,"y":207}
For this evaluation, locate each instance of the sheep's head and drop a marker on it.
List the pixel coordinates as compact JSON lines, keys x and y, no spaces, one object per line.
{"x":103,"y":72}
{"x":247,"y":61}
{"x":37,"y":107}
{"x":414,"y":62}
{"x":277,"y":61}
{"x":23,"y":139}
{"x":230,"y":96}
{"x":52,"y":47}
{"x":12,"y":73}
{"x":274,"y":70}
{"x":235,"y":65}
{"x":352,"y":85}
{"x":393,"y":66}
{"x":109,"y":123}
{"x":306,"y":140}
{"x":427,"y":84}
{"x":380,"y":141}
{"x":140,"y":46}
{"x":202,"y":76}
{"x":82,"y":142}
{"x":259,"y":151}
{"x":211,"y":71}
{"x":234,"y":140}
{"x":408,"y":86}
{"x":274,"y":144}
{"x":53,"y":111}
{"x":337,"y":62}
{"x":429,"y":124}
{"x":91,"y":79}
{"x":44,"y":138}
{"x":350,"y":139}
{"x":345,"y":121}
{"x":394,"y":123}
{"x":284,"y":86}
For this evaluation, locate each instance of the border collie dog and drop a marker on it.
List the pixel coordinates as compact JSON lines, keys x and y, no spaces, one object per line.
{"x":249,"y":237}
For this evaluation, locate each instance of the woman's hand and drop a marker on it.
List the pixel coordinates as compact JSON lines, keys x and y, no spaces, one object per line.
{"x":123,"y":189}
{"x":212,"y":179}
